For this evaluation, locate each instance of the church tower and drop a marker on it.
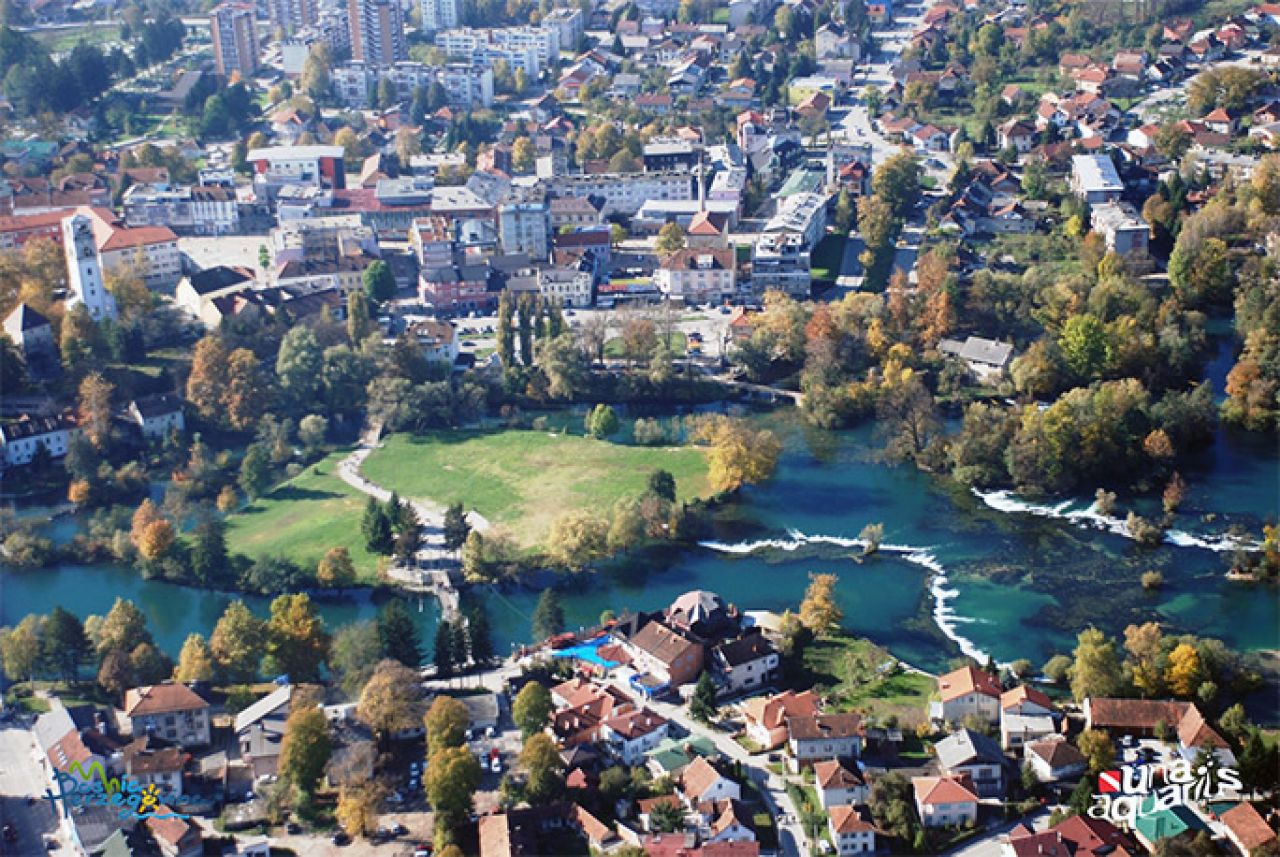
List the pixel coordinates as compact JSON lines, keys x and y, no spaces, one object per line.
{"x":85,"y":283}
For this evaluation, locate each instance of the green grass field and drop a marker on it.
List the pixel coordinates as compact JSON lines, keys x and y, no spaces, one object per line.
{"x":851,"y":667}
{"x":64,"y":39}
{"x":524,"y":480}
{"x":304,"y":517}
{"x":678,"y":344}
{"x":827,"y":256}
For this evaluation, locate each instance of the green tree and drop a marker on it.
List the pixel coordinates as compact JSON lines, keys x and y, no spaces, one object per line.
{"x":1096,"y":746}
{"x":1086,"y":346}
{"x":379,"y":282}
{"x":358,"y":324}
{"x":662,"y":484}
{"x":602,"y":421}
{"x":209,"y":561}
{"x":376,"y":528}
{"x":844,"y":213}
{"x":398,"y":635}
{"x":479,"y":635}
{"x":897,"y":182}
{"x":671,"y":239}
{"x":444,"y":656}
{"x":446,"y":723}
{"x":354,"y":655}
{"x":543,"y":767}
{"x":237,"y":642}
{"x":123,"y":629}
{"x":298,"y":366}
{"x":452,"y":777}
{"x":524,"y":313}
{"x":63,"y":643}
{"x":1096,"y":668}
{"x":255,"y":472}
{"x":20,"y":649}
{"x":667,"y":816}
{"x":306,"y":747}
{"x":531,"y":709}
{"x":456,"y":528}
{"x":504,"y":334}
{"x":702,"y":707}
{"x":297,"y":642}
{"x":548,"y":616}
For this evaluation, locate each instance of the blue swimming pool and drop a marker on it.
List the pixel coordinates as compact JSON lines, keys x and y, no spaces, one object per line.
{"x":586,"y":651}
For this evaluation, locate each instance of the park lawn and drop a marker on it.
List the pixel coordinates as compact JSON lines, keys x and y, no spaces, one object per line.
{"x":524,"y":480}
{"x":302,"y":518}
{"x":852,"y":668}
{"x":64,"y":39}
{"x":827,"y":256}
{"x":678,"y":344}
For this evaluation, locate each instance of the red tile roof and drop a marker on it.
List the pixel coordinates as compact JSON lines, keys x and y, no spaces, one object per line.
{"x":968,"y":680}
{"x":161,"y":699}
{"x":937,"y":790}
{"x":1249,"y":828}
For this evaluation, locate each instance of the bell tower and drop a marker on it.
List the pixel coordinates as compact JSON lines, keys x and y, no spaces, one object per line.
{"x":84,"y":269}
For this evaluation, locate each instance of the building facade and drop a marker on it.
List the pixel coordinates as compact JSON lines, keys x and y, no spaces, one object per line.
{"x":235,"y":39}
{"x":377,"y":31}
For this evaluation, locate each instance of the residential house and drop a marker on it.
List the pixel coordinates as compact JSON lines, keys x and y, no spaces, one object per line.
{"x":824,"y":736}
{"x":697,"y":275}
{"x":729,"y":821}
{"x":457,"y":288}
{"x":1095,"y":837}
{"x":631,"y":735}
{"x":781,"y":261}
{"x":600,"y":836}
{"x":1157,"y":822}
{"x":832,"y":40}
{"x":744,"y":665}
{"x":1247,"y":829}
{"x":1145,"y":717}
{"x":1122,"y":226}
{"x":1221,"y":122}
{"x":945,"y":801}
{"x":707,"y":231}
{"x":157,"y":416}
{"x":78,"y":735}
{"x":260,"y":731}
{"x":158,"y":766}
{"x":664,"y":656}
{"x":1017,"y":134}
{"x":31,"y":333}
{"x":931,"y":138}
{"x":1025,"y":700}
{"x":702,"y":782}
{"x":569,"y":287}
{"x":1053,"y":759}
{"x":171,"y":711}
{"x":966,"y":691}
{"x":175,"y":835}
{"x":437,"y":339}
{"x":971,"y":754}
{"x":1019,"y":729}
{"x":22,"y":439}
{"x":851,"y":830}
{"x":839,"y":782}
{"x":987,"y":361}
{"x":766,"y":717}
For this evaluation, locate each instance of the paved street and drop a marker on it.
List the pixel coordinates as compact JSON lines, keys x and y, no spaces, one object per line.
{"x":21,"y":779}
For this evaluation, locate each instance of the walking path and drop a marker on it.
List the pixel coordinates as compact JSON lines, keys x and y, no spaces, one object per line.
{"x":435,"y":565}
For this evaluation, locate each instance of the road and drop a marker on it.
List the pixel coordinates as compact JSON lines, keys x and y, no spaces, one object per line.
{"x":792,"y":841}
{"x":21,"y":778}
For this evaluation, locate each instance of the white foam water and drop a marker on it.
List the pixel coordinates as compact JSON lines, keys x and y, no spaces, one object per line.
{"x":1090,"y":518}
{"x":944,"y":614}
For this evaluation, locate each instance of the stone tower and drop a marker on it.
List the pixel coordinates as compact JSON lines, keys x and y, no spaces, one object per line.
{"x":85,"y":284}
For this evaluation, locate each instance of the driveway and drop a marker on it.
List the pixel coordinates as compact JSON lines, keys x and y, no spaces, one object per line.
{"x":22,"y":779}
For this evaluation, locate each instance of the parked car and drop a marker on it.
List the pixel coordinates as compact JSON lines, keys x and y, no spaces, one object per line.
{"x":341,"y":838}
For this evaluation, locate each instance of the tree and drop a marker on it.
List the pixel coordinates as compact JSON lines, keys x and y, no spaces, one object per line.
{"x":1144,"y":646}
{"x":255,"y":472}
{"x":357,"y":811}
{"x":354,"y":655}
{"x":602,"y":421}
{"x":446,"y":724}
{"x":247,"y":393}
{"x":298,"y":366}
{"x":662,"y":484}
{"x":1085,"y":346}
{"x":443,"y":655}
{"x":307,"y":745}
{"x":525,"y":312}
{"x":379,"y":282}
{"x":195,"y":662}
{"x":115,"y":674}
{"x":237,"y":641}
{"x":336,"y":570}
{"x":296,"y":639}
{"x":358,"y":324}
{"x":479,"y":635}
{"x":408,"y":144}
{"x":1057,"y":668}
{"x":897,"y":182}
{"x":451,"y":779}
{"x":548,"y":616}
{"x":702,"y":707}
{"x":522,"y":155}
{"x":20,"y":649}
{"x":1095,"y":745}
{"x":398,"y":635}
{"x":95,"y":409}
{"x":312,"y":430}
{"x":671,"y":239}
{"x":207,"y":383}
{"x":739,"y":454}
{"x":1185,"y":670}
{"x":456,"y":528}
{"x":391,"y":700}
{"x":532,"y":709}
{"x":819,"y":611}
{"x":667,"y":816}
{"x":80,"y":339}
{"x":504,"y":334}
{"x":315,"y":80}
{"x":1096,"y":669}
{"x":541,"y":762}
{"x":63,"y":643}
{"x":577,"y":538}
{"x":844,"y":213}
{"x":124,"y":628}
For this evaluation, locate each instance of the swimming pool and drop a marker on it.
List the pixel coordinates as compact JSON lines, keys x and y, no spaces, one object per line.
{"x":586,"y":651}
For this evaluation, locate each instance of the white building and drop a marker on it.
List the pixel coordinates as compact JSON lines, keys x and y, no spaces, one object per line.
{"x":567,"y":287}
{"x":803,"y":213}
{"x":851,"y":831}
{"x":697,"y":275}
{"x":625,"y":193}
{"x":569,"y":22}
{"x":314,"y":166}
{"x":157,"y":416}
{"x":839,"y":782}
{"x":466,"y":86}
{"x":523,"y":227}
{"x":197,"y":209}
{"x":1094,"y":178}
{"x":944,"y":802}
{"x":440,"y":14}
{"x":527,"y":48}
{"x":21,"y":439}
{"x":781,"y":261}
{"x":235,"y":39}
{"x":966,"y":691}
{"x":85,"y":283}
{"x":1122,"y":226}
{"x":631,"y":736}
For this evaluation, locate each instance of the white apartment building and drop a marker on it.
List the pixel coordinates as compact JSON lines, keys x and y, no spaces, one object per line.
{"x":440,"y":14}
{"x":567,"y":287}
{"x":803,"y":213}
{"x":569,"y":22}
{"x":625,"y":193}
{"x":523,"y":228}
{"x":528,"y":48}
{"x":466,"y":86}
{"x":781,"y":261}
{"x":197,"y":209}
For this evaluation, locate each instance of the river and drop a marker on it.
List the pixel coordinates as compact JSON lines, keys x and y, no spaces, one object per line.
{"x":955,"y":574}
